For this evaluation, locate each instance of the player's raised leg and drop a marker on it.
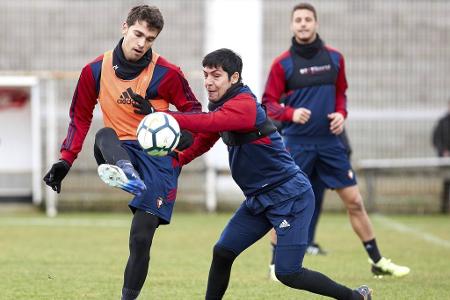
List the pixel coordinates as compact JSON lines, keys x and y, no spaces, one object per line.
{"x":115,"y":167}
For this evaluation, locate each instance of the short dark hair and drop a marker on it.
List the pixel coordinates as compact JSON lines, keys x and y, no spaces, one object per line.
{"x":149,"y":14}
{"x":304,"y":6}
{"x":225,"y":58}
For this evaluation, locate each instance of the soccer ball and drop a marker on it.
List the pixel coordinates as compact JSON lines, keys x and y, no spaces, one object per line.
{"x":158,"y":133}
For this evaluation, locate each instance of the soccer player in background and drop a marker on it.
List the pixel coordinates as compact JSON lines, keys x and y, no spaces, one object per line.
{"x":310,"y":78}
{"x":278,"y":194}
{"x":441,"y":142}
{"x":124,"y":81}
{"x":319,"y":189}
{"x":319,"y":194}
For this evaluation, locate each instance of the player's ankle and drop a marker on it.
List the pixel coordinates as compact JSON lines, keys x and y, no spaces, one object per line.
{"x":129,"y":294}
{"x":124,"y":163}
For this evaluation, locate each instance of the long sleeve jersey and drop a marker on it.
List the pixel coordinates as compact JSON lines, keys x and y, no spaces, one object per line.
{"x":318,"y":84}
{"x":257,"y":166}
{"x":167,"y":82}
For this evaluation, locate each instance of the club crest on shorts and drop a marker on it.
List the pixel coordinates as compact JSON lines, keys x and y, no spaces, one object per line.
{"x":350,"y":174}
{"x":159,"y":202}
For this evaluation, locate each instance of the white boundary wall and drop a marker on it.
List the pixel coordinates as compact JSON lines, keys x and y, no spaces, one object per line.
{"x":27,"y":156}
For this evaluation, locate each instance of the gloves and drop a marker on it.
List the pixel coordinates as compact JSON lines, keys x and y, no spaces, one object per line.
{"x":186,"y":140}
{"x":56,"y":174}
{"x":143,"y":106}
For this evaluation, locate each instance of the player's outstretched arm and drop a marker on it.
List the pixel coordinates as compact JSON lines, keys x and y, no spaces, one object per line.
{"x":239,"y":114}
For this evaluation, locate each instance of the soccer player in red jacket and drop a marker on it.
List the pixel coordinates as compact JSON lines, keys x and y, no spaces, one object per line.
{"x":278,"y":194}
{"x":310,"y":78}
{"x":125,"y":81}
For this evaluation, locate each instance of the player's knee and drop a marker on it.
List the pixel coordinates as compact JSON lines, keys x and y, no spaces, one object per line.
{"x":105,"y":132}
{"x":222,"y":254}
{"x":140,"y":243}
{"x":293,"y":280}
{"x":355,"y":204}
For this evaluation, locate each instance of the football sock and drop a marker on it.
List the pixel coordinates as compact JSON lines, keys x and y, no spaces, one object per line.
{"x":274,"y":248}
{"x":108,"y":148}
{"x":219,"y":273}
{"x":142,"y":230}
{"x":372,"y":249}
{"x":318,"y":283}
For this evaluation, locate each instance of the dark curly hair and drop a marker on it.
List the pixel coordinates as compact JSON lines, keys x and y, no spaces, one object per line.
{"x":149,"y":14}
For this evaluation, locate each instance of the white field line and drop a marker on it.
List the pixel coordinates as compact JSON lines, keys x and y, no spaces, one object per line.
{"x":48,"y":222}
{"x":412,"y":231}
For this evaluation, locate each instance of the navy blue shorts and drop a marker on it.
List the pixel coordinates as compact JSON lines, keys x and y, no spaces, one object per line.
{"x":160,"y":175}
{"x":289,"y":214}
{"x":328,"y":160}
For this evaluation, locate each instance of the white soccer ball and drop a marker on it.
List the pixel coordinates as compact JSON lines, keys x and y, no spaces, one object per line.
{"x":158,"y":133}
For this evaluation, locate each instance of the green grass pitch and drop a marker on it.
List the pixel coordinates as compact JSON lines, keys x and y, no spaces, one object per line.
{"x":82,"y":256}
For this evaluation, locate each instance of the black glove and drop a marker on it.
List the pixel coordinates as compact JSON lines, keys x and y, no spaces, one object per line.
{"x":186,"y":140}
{"x":143,"y":106}
{"x":56,"y":174}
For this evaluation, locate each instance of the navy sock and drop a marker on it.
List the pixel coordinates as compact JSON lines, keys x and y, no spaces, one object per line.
{"x":372,"y":249}
{"x":318,"y":283}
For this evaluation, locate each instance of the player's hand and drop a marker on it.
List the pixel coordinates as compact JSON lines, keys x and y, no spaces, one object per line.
{"x":186,"y":140}
{"x":301,"y":115}
{"x":56,"y":174}
{"x":336,"y":122}
{"x":143,"y":106}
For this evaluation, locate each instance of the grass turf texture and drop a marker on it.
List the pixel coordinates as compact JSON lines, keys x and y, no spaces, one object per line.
{"x":82,"y":256}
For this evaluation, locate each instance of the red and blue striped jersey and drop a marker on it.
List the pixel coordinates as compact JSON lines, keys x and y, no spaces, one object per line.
{"x":318,"y":84}
{"x":257,"y":166}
